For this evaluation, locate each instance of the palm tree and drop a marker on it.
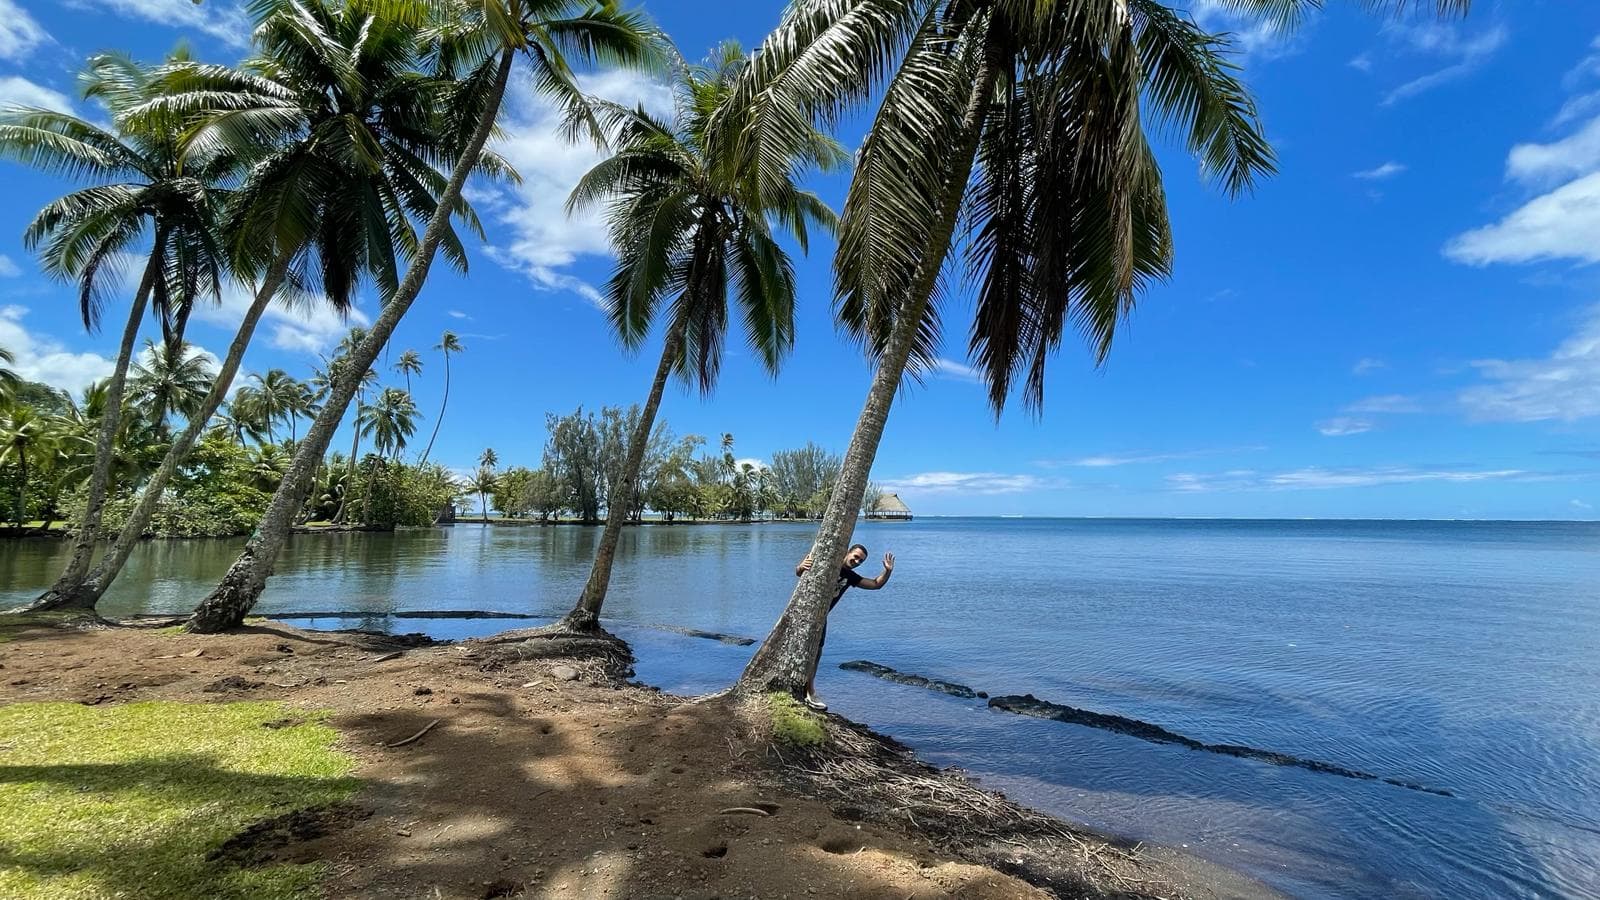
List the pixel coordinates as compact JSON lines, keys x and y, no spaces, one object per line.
{"x":9,"y":380}
{"x":447,"y":345}
{"x":488,"y":458}
{"x":22,"y":432}
{"x":173,"y":379}
{"x":390,"y":422}
{"x":343,"y":132}
{"x":1020,"y":124}
{"x":276,"y":395}
{"x":302,"y":404}
{"x":141,"y":184}
{"x":409,"y":364}
{"x":548,"y":33}
{"x":483,"y":482}
{"x":690,"y":226}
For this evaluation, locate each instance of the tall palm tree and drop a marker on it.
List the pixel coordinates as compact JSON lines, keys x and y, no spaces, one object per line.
{"x":172,"y":379}
{"x":693,"y":228}
{"x":141,"y":186}
{"x":390,"y":421}
{"x":447,"y":345}
{"x":409,"y":364}
{"x":1018,"y":125}
{"x":302,"y":404}
{"x":23,"y":435}
{"x":485,"y":35}
{"x":342,"y":130}
{"x":483,"y":482}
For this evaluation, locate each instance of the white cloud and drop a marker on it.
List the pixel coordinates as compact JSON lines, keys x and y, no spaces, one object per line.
{"x":1385,"y":403}
{"x":19,"y":33}
{"x":1564,"y":386}
{"x":1110,"y":460}
{"x":40,"y":357}
{"x":1368,"y":364}
{"x":1446,"y":40}
{"x":1563,"y":224}
{"x":1341,"y":426}
{"x":308,"y":326}
{"x":544,"y":240}
{"x":1543,"y":164}
{"x":1387,"y":170}
{"x":15,"y":91}
{"x":1319,"y":478}
{"x":949,"y":368}
{"x":223,"y":20}
{"x":458,"y":314}
{"x":1579,"y":107}
{"x":969,"y":483}
{"x":1362,"y":63}
{"x":1256,"y":36}
{"x":1579,"y":504}
{"x":8,"y":269}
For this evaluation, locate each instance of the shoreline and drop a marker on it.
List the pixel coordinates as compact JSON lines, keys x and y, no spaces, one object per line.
{"x":844,"y":791}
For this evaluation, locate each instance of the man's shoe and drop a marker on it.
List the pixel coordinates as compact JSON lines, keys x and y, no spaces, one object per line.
{"x":816,"y":704}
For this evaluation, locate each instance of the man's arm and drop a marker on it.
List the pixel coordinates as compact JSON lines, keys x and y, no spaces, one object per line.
{"x":801,"y":567}
{"x":872,"y":584}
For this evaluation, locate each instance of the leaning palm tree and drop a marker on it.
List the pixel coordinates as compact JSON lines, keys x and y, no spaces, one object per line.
{"x":409,"y":364}
{"x":447,"y":345}
{"x":172,"y":380}
{"x":141,"y":186}
{"x":478,"y":41}
{"x":343,"y":130}
{"x":1014,"y":130}
{"x":693,"y":229}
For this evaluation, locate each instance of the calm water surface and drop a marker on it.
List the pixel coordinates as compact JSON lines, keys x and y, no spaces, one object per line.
{"x":1464,"y":656}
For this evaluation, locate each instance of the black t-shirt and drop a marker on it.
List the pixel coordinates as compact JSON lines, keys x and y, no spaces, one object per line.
{"x":848,"y":578}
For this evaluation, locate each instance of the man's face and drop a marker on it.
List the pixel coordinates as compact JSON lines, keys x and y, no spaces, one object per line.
{"x":855,"y":557}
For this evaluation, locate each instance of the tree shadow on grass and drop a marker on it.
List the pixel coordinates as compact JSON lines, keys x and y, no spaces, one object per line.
{"x":148,"y":827}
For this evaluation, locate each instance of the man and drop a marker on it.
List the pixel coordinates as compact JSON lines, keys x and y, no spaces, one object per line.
{"x":848,"y":578}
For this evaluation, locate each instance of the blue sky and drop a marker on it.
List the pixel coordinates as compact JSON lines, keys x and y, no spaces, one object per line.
{"x":1405,"y":322}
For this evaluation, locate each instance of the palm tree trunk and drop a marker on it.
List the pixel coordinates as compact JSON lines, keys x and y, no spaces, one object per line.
{"x":788,"y":658}
{"x":227,"y":605}
{"x":91,"y":589}
{"x":355,"y":448}
{"x":585,"y":616}
{"x":22,"y":486}
{"x":88,"y":533}
{"x":439,"y":421}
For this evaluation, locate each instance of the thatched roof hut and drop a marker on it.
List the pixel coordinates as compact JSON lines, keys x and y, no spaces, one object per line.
{"x":890,"y":506}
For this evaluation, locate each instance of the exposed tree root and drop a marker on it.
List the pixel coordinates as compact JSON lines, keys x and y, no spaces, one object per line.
{"x":556,"y":642}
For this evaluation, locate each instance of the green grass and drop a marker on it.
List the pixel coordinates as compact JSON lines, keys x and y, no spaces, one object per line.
{"x":793,"y":724}
{"x":127,"y":801}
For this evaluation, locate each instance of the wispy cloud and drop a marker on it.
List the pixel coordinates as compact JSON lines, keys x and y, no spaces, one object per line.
{"x":307,"y":327}
{"x":1343,"y":426}
{"x":1544,"y":164}
{"x":1563,"y":224}
{"x":541,"y":239}
{"x":1579,"y":504}
{"x":1367,"y":365}
{"x":1466,"y":53}
{"x":1111,"y":460}
{"x":225,"y":21}
{"x":15,"y":91}
{"x":1563,"y":386}
{"x":40,"y":357}
{"x":949,"y":368}
{"x":970,"y":483}
{"x":1254,"y":36}
{"x":1387,"y":170}
{"x":1316,"y":478}
{"x":458,"y":314}
{"x":8,"y":269}
{"x":19,"y":33}
{"x":1386,"y":403}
